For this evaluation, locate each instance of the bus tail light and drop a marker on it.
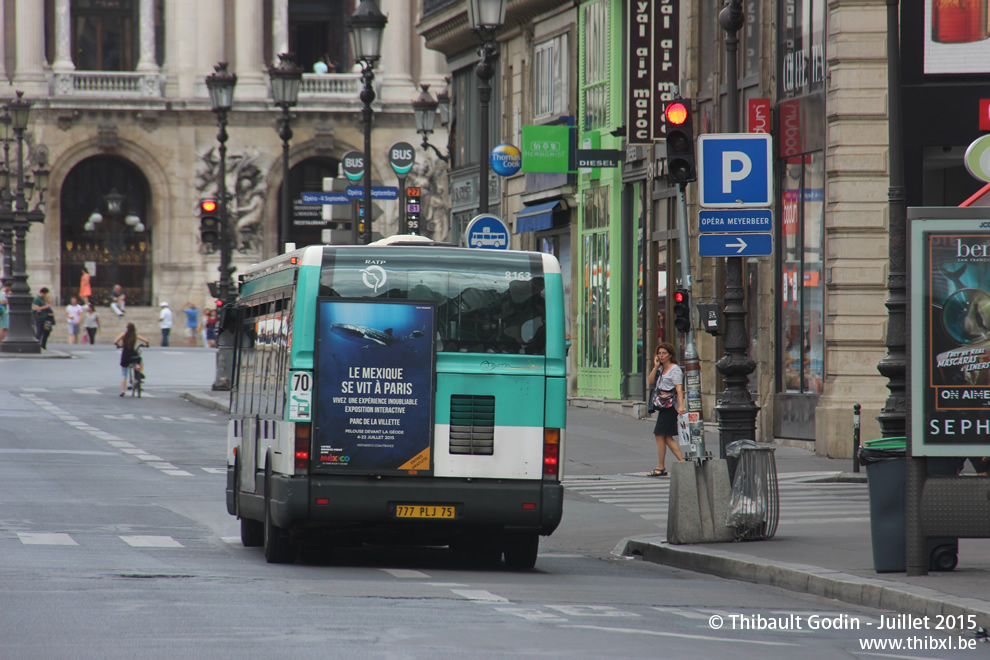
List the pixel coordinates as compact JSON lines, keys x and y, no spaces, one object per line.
{"x":302,"y":446}
{"x":551,"y":453}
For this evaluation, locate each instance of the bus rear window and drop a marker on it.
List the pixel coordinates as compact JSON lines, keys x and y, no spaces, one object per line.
{"x":486,"y":302}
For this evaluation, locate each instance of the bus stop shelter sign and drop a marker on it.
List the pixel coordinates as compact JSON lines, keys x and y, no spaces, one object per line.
{"x":949,"y":315}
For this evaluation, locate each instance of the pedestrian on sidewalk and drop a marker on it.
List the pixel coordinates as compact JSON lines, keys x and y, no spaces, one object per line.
{"x":118,"y":300}
{"x":4,"y":309}
{"x":91,"y":321}
{"x":192,"y":322}
{"x":44,"y":317}
{"x":667,"y":380}
{"x":210,"y":328}
{"x":165,"y":322}
{"x":74,"y":317}
{"x":85,"y":289}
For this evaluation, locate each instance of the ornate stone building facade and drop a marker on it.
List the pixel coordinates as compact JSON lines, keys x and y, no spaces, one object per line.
{"x":119,"y":103}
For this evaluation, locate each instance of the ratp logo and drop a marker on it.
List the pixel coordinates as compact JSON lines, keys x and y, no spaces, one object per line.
{"x":374,"y":277}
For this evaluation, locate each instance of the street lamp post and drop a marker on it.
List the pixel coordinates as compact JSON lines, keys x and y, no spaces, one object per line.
{"x":486,"y":17}
{"x":113,"y":232}
{"x":736,"y":410}
{"x":221,"y":86}
{"x":6,"y":200}
{"x":21,"y":338}
{"x":366,"y":26}
{"x":286,"y":79}
{"x":425,"y":108}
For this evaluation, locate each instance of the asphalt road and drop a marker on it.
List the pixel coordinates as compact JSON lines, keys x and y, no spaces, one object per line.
{"x":115,"y":543}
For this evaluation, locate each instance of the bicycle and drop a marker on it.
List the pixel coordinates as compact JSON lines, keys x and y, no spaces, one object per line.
{"x":135,"y":372}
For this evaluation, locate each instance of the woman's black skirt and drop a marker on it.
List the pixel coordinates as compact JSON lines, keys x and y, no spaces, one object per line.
{"x":666,"y":422}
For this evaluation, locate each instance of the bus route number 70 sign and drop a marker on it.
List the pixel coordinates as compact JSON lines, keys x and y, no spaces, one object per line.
{"x":301,"y":396}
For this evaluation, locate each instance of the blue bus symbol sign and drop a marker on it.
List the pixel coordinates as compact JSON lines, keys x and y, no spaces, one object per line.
{"x":488,"y":232}
{"x":735,"y":170}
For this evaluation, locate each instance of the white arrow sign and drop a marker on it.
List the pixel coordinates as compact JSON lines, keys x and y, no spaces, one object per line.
{"x":740,"y":243}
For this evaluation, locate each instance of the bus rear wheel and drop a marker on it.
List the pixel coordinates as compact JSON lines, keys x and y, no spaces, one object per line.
{"x":278,"y":549}
{"x":521,"y":550}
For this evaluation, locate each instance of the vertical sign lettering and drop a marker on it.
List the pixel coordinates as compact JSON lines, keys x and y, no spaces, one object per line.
{"x":652,"y":63}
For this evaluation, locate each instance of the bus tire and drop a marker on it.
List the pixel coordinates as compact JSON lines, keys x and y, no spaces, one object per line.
{"x":278,"y":549}
{"x":521,"y":550}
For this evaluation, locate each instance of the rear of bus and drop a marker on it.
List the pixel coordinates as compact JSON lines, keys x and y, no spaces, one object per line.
{"x":440,"y":398}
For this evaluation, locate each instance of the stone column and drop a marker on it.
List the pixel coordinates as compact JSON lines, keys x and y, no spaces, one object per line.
{"x":280,"y":29}
{"x":210,"y":41}
{"x":63,"y":37}
{"x":395,"y":70}
{"x":433,"y":69}
{"x":249,"y":64}
{"x":146,"y":30}
{"x":29,"y":74}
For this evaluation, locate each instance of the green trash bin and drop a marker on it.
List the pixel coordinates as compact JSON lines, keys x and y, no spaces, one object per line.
{"x":885,"y":460}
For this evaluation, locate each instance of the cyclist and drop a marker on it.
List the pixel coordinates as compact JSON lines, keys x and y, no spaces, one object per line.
{"x":128,"y":342}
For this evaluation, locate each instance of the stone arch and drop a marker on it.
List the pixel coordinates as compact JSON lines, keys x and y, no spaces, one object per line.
{"x":159,"y":208}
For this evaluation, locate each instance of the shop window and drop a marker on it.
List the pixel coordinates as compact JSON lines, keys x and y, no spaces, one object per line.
{"x":801,"y":349}
{"x":596,"y":285}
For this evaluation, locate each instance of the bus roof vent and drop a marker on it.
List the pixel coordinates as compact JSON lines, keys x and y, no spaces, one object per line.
{"x":472,"y":425}
{"x":410,"y":239}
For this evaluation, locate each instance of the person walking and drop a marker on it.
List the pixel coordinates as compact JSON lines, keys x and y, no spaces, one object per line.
{"x":668,"y":399}
{"x":91,"y":321}
{"x":4,"y":310}
{"x":127,"y":341}
{"x":74,"y":316}
{"x":44,"y":317}
{"x":118,"y":300}
{"x":211,"y":329}
{"x":165,"y":322}
{"x":85,"y":289}
{"x":192,"y":322}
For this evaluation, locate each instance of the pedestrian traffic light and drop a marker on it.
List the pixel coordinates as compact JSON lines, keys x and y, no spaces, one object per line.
{"x":209,"y":224}
{"x":680,"y":142}
{"x":682,"y":311}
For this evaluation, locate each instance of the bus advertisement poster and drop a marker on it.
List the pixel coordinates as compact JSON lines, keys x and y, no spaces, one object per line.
{"x":375,"y":385}
{"x":950,"y":334}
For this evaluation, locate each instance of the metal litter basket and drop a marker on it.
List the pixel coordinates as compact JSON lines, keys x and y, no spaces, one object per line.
{"x":754,"y":508}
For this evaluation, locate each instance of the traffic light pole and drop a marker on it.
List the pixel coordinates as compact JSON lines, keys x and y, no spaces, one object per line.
{"x":692,"y":366}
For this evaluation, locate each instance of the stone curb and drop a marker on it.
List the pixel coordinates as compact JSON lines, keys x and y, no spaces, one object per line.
{"x":48,"y":354}
{"x":205,"y":401}
{"x":852,"y":589}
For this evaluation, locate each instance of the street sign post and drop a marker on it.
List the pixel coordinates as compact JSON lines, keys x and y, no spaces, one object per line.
{"x":735,"y":245}
{"x":402,"y":157}
{"x":735,"y":170}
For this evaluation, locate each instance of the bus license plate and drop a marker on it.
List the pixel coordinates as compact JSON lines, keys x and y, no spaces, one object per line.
{"x":423,"y":511}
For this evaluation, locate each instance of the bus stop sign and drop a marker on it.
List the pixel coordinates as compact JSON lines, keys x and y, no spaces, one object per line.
{"x":488,"y":232}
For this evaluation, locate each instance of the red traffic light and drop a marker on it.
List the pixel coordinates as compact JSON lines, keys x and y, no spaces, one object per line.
{"x":679,"y":296}
{"x":208,"y":206}
{"x":676,"y":113}
{"x":219,"y":303}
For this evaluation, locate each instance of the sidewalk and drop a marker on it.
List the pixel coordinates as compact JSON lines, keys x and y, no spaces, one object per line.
{"x":830,"y":560}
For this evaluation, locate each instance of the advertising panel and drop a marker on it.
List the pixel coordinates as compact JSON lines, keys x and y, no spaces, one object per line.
{"x":375,"y":384}
{"x":956,"y":36}
{"x":950,"y":332}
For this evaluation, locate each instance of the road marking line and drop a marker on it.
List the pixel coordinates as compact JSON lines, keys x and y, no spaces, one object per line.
{"x":79,"y":452}
{"x":531,"y":614}
{"x":222,"y":470}
{"x":34,"y":389}
{"x":148,"y":457}
{"x":232,"y":540}
{"x":405,"y":573}
{"x":41,"y":538}
{"x":132,"y":450}
{"x":151,"y":541}
{"x":446,"y":584}
{"x":591,"y":610}
{"x":163,"y":466}
{"x":178,"y":473}
{"x":480,"y":595}
{"x":657,"y":633}
{"x":120,"y":443}
{"x":86,"y":390}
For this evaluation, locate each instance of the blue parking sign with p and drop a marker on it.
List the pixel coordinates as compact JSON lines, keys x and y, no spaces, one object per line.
{"x":735,"y":170}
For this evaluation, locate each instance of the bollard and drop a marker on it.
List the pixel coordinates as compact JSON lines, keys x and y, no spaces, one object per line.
{"x":856,"y":409}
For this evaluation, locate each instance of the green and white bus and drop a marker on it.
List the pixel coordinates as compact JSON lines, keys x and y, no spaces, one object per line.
{"x":401,"y":392}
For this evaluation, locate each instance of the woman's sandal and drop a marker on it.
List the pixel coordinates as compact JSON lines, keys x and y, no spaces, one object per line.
{"x":657,"y":473}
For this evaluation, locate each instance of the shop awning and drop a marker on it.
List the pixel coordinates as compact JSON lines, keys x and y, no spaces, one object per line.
{"x":536,"y":217}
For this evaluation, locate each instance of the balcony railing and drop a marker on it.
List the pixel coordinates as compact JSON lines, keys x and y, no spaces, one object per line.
{"x":343,"y":85}
{"x":127,"y":84}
